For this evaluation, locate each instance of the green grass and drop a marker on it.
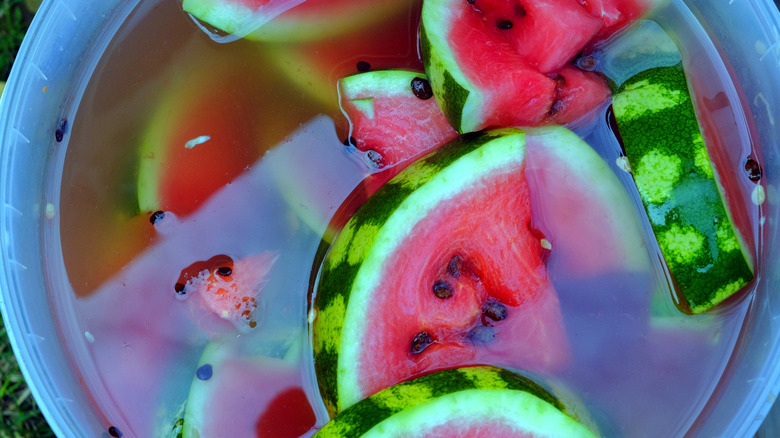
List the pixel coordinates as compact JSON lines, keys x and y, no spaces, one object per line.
{"x":20,"y":416}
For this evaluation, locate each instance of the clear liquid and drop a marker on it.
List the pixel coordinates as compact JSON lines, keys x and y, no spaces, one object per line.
{"x":639,"y":367}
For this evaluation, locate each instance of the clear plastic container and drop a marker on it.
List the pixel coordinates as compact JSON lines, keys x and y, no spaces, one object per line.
{"x":63,"y":47}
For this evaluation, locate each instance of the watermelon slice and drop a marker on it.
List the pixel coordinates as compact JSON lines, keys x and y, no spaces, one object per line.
{"x":393,"y":114}
{"x":481,"y":80}
{"x":707,"y":257}
{"x":291,"y":20}
{"x":440,"y":267}
{"x":466,"y":402}
{"x":226,"y":381}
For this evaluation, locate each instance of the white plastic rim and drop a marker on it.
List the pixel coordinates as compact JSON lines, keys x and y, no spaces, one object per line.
{"x":56,"y":57}
{"x":61,"y":50}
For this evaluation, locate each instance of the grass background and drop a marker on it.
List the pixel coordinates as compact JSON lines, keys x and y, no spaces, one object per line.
{"x":21,"y":417}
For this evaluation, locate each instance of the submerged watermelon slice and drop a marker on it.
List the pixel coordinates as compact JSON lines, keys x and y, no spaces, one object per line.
{"x":393,"y":114}
{"x":292,"y":20}
{"x":440,"y":267}
{"x":481,"y":80}
{"x":227,"y":381}
{"x":469,"y":402}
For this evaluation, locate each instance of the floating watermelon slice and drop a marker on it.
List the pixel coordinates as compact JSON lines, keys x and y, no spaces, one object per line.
{"x":393,"y":114}
{"x":481,"y":80}
{"x":466,"y":402}
{"x":292,"y":20}
{"x":440,"y":267}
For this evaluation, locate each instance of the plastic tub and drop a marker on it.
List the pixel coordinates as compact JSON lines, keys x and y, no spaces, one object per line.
{"x":63,"y":47}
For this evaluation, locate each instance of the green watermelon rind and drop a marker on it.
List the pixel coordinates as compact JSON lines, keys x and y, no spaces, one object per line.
{"x":462,"y":396}
{"x":354,"y":262}
{"x":377,"y":83}
{"x":228,"y":17}
{"x":679,"y":188}
{"x":460,"y":99}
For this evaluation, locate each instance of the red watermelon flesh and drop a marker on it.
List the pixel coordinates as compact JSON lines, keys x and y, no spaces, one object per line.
{"x":577,"y":93}
{"x":546,"y":33}
{"x":387,"y":117}
{"x":615,"y":14}
{"x":496,"y":263}
{"x":516,"y":93}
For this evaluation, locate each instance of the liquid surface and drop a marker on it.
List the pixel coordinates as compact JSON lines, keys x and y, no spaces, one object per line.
{"x":638,"y":366}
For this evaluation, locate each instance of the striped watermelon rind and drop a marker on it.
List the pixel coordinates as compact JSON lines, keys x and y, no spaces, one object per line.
{"x":460,"y":100}
{"x":354,"y":262}
{"x":706,"y":256}
{"x":458,"y":398}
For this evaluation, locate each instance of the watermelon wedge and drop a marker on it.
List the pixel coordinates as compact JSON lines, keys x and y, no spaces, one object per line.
{"x":432,"y":272}
{"x":393,"y":114}
{"x":226,"y":381}
{"x":477,"y":402}
{"x":706,"y":255}
{"x":480,"y":79}
{"x":290,"y":20}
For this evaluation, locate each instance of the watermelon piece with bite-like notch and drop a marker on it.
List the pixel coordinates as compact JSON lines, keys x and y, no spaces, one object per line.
{"x":393,"y":115}
{"x":440,"y":267}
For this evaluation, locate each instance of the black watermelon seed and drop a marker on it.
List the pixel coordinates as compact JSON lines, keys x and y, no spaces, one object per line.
{"x":363,"y":66}
{"x":157,"y":216}
{"x":520,"y":10}
{"x":59,"y":132}
{"x":113,"y":431}
{"x":455,"y":265}
{"x":494,"y":310}
{"x":442,"y":290}
{"x":179,"y":288}
{"x":204,"y":372}
{"x":504,"y":25}
{"x":420,"y":342}
{"x":374,"y":156}
{"x":224,"y":271}
{"x":422,"y":88}
{"x":587,"y":63}
{"x":556,"y":106}
{"x":753,"y":169}
{"x":483,"y":334}
{"x":471,"y":2}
